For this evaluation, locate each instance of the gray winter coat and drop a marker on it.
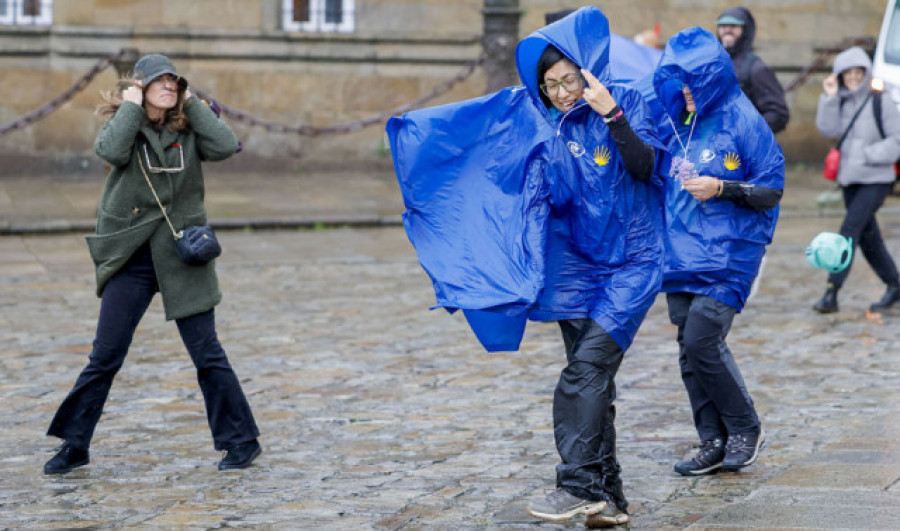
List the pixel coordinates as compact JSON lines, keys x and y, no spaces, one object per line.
{"x":866,"y":157}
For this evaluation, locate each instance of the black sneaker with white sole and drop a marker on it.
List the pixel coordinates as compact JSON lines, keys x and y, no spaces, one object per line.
{"x":708,"y":459}
{"x":742,"y":449}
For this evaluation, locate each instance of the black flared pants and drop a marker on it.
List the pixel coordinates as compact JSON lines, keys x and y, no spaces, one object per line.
{"x":124,"y":300}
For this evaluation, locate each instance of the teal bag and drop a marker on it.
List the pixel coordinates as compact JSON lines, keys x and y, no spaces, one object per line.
{"x":830,"y":251}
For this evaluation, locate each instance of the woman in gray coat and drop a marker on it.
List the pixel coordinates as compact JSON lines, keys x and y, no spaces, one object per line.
{"x":866,"y":173}
{"x":159,"y":131}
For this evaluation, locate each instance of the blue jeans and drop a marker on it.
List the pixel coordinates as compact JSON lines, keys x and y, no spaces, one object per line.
{"x":584,"y":415}
{"x":718,"y":396}
{"x":124,"y":300}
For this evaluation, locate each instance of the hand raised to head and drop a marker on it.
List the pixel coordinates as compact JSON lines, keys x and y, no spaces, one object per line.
{"x":830,"y":85}
{"x":597,"y":95}
{"x":134,"y":93}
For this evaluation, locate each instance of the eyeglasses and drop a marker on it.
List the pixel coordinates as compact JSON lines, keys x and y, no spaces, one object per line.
{"x":570,"y":82}
{"x":154,"y":169}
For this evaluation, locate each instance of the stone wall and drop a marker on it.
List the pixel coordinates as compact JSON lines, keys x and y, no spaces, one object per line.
{"x":400,"y":50}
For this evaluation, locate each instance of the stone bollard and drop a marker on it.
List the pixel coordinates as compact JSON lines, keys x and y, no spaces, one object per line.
{"x":501,"y":34}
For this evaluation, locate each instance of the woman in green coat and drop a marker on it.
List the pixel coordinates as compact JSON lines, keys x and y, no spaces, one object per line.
{"x":159,"y":131}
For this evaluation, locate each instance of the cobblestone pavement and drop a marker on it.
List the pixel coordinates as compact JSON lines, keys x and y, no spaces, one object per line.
{"x":377,"y":413}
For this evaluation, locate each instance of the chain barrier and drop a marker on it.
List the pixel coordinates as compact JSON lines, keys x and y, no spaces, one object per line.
{"x":349,"y":127}
{"x":237,"y":114}
{"x":27,"y":119}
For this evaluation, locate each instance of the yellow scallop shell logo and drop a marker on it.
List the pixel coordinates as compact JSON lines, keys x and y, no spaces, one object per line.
{"x":601,"y":156}
{"x":732,"y":161}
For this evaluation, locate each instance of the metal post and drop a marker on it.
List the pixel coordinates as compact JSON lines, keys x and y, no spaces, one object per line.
{"x":501,"y":34}
{"x":124,"y":65}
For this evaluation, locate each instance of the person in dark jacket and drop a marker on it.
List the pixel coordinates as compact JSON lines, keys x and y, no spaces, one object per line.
{"x":157,"y":130}
{"x":726,"y":177}
{"x":866,"y":173}
{"x":736,"y":30}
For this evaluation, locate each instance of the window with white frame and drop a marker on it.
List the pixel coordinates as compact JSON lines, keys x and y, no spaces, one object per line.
{"x":26,"y":12}
{"x":319,"y":16}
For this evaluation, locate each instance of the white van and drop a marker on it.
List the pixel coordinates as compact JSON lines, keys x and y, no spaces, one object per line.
{"x":886,"y":63}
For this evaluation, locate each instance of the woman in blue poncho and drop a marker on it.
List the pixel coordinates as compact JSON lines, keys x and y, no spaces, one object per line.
{"x":588,"y":477}
{"x":726,"y":175}
{"x":540,"y":202}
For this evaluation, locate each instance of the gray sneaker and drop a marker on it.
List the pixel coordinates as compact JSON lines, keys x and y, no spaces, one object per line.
{"x":559,"y":506}
{"x":609,"y":517}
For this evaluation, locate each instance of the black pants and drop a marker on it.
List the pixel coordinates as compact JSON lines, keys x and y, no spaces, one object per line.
{"x":124,"y":301}
{"x":718,"y":396}
{"x":584,"y":415}
{"x":862,"y":202}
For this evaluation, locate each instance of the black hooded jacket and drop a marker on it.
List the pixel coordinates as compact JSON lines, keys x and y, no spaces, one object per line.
{"x":757,"y":80}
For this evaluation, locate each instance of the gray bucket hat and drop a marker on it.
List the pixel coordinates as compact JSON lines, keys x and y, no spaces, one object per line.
{"x":150,"y":67}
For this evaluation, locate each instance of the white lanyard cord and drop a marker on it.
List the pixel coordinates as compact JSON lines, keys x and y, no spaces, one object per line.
{"x":566,"y":115}
{"x":690,"y":135}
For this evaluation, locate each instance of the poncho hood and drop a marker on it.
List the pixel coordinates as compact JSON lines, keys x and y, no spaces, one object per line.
{"x":695,"y":58}
{"x":583,"y":37}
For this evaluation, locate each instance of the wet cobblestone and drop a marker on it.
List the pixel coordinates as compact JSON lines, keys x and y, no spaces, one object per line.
{"x":377,"y":413}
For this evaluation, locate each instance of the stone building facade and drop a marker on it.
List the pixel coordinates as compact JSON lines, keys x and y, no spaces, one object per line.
{"x":344,"y":65}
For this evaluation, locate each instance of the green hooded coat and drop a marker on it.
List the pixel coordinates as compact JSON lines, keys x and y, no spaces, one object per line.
{"x":129,"y":216}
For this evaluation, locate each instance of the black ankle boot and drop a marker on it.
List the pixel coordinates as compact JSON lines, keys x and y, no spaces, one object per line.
{"x":828,"y":302}
{"x":240,"y":455}
{"x":891,"y":296}
{"x":67,"y":457}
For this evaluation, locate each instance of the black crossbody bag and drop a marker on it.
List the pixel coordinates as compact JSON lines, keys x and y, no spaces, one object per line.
{"x":196,"y":244}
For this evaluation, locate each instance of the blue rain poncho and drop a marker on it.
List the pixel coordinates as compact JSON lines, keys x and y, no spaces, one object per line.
{"x":517,"y":215}
{"x":629,"y":60}
{"x":713,"y":247}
